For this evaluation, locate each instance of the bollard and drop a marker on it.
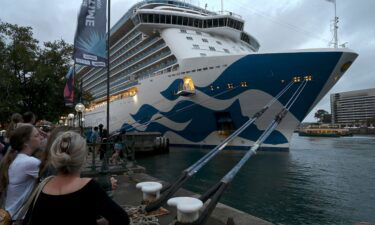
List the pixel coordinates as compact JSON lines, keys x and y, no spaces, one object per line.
{"x":150,"y":190}
{"x":187,"y":208}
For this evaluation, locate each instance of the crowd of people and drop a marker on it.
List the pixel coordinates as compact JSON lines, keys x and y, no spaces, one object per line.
{"x":28,"y":155}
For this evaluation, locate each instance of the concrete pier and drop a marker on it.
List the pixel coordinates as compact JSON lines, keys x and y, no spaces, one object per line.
{"x":128,"y":194}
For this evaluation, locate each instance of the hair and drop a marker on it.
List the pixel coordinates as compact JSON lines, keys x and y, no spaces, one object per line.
{"x":45,"y":156}
{"x":68,"y":152}
{"x":19,"y":137}
{"x":14,"y":120}
{"x":28,"y":117}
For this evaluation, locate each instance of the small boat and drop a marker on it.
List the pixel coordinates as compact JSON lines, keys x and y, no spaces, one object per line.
{"x":324,"y":131}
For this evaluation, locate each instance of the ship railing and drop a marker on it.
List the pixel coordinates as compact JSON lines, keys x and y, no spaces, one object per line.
{"x":126,"y":52}
{"x":229,"y":13}
{"x":134,"y":60}
{"x":123,"y":42}
{"x":127,"y":65}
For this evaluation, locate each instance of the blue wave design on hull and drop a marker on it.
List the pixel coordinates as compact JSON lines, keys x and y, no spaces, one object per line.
{"x":261,"y":72}
{"x":201,"y":126}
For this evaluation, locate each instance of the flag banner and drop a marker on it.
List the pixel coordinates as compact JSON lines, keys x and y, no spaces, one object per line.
{"x":90,"y":39}
{"x":69,"y":88}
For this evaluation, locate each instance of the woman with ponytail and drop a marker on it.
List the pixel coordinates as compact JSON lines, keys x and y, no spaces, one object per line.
{"x":19,"y":169}
{"x":69,"y":199}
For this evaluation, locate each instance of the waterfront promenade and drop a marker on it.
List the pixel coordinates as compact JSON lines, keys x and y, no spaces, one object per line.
{"x":127,"y":195}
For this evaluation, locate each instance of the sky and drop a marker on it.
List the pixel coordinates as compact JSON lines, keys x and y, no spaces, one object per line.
{"x":277,"y":24}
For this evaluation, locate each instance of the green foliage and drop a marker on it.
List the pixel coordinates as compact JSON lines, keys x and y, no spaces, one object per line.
{"x":32,"y":76}
{"x":323,"y":116}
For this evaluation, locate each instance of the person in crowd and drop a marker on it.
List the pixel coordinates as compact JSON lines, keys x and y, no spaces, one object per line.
{"x":118,"y":150}
{"x":29,"y":117}
{"x":19,"y":170}
{"x":103,"y":146}
{"x":69,"y":199}
{"x":15,"y":120}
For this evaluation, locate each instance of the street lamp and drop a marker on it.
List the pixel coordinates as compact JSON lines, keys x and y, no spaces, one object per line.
{"x":70,"y":117}
{"x":80,"y":108}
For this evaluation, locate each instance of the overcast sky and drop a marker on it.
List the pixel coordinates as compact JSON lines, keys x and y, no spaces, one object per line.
{"x":277,"y":24}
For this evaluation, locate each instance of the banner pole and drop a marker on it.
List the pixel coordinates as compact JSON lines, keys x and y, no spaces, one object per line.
{"x":108,"y":35}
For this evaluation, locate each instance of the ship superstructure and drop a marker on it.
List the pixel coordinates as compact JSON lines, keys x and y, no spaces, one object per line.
{"x":195,"y":76}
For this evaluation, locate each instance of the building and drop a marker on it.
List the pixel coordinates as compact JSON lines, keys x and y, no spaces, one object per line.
{"x":353,"y":107}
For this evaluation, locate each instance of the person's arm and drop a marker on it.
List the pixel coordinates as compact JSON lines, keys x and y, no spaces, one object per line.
{"x":107,"y":208}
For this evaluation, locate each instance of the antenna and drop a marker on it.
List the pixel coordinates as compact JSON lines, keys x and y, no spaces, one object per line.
{"x":222,"y":8}
{"x":335,"y":28}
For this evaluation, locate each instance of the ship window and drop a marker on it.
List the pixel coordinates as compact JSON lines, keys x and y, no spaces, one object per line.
{"x":189,"y":38}
{"x":198,"y":32}
{"x":193,"y":71}
{"x":205,"y":68}
{"x":243,"y":84}
{"x":203,"y":54}
{"x":204,"y":23}
{"x":217,"y":67}
{"x":150,"y":18}
{"x":225,"y":65}
{"x":162,"y":19}
{"x":188,"y":71}
{"x":212,"y":48}
{"x":179,"y":20}
{"x":219,"y":42}
{"x":200,"y":69}
{"x":168,"y":19}
{"x":211,"y":67}
{"x":144,"y":18}
{"x":216,"y":23}
{"x":183,"y":31}
{"x":157,"y":18}
{"x":204,"y":40}
{"x":230,"y":85}
{"x":196,"y":46}
{"x":174,"y":19}
{"x":212,"y":88}
{"x":226,"y":50}
{"x":185,"y":21}
{"x":221,"y":22}
{"x":209,"y":24}
{"x":190,"y":22}
{"x":196,"y":22}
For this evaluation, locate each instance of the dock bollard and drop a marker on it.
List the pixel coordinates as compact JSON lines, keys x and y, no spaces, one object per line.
{"x":187,"y":208}
{"x":150,"y":190}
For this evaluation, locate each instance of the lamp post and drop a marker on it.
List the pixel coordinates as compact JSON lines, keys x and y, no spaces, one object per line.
{"x":70,"y":118}
{"x":79,"y":109}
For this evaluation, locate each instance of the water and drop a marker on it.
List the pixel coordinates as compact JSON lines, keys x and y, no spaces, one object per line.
{"x":320,"y":181}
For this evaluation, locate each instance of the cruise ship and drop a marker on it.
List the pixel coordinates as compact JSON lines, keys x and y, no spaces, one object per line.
{"x":195,"y":76}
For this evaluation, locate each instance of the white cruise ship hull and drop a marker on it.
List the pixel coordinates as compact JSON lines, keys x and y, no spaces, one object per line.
{"x":231,"y":88}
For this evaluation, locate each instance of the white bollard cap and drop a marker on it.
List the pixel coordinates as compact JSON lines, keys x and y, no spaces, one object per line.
{"x":186,"y":204}
{"x":150,"y":190}
{"x":187,"y":208}
{"x":149,"y":187}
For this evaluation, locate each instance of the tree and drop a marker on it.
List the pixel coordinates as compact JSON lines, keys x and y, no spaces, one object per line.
{"x":321,"y":115}
{"x":32,"y":75}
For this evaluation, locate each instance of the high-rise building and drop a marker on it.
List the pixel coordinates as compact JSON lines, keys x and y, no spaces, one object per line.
{"x":353,"y":107}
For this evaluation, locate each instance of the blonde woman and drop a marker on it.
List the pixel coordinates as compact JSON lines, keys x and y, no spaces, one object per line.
{"x":69,"y":199}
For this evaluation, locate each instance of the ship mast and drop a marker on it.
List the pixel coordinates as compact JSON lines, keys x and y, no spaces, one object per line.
{"x":335,"y":27}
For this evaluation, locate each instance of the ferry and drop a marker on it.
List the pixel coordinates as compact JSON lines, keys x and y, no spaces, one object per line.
{"x":324,"y":131}
{"x":195,"y":76}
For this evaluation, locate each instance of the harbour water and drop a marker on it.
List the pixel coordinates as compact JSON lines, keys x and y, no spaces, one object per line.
{"x":320,"y":181}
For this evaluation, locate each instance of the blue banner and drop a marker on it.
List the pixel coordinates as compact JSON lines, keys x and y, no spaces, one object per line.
{"x":90,"y":47}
